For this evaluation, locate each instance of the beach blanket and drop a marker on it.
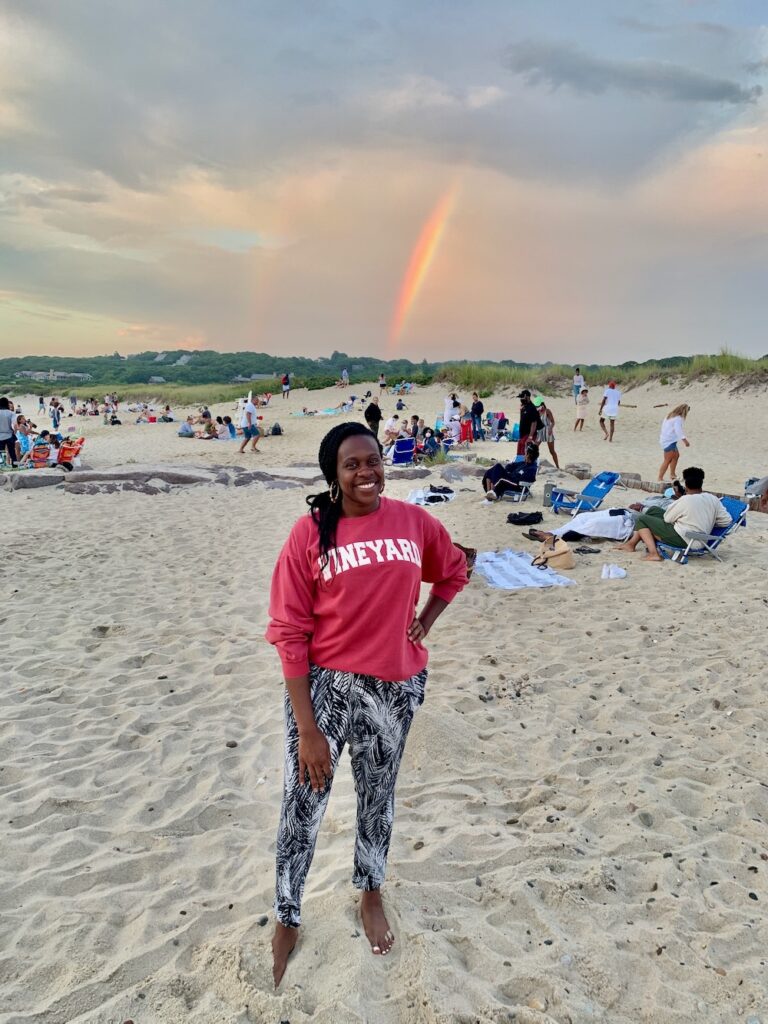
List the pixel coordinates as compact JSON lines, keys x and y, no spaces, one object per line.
{"x":512,"y":570}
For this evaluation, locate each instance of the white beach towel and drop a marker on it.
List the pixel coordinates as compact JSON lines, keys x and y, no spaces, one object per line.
{"x":420,"y":496}
{"x":512,"y":570}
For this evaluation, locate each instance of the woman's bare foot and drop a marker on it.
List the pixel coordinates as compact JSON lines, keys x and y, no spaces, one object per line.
{"x":623,"y":547}
{"x":651,"y":558}
{"x":375,"y":923}
{"x":283,"y":943}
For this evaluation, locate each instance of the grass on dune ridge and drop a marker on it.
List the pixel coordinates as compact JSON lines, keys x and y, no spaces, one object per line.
{"x":489,"y":378}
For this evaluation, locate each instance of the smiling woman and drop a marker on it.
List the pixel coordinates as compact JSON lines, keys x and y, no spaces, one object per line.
{"x":343,"y":618}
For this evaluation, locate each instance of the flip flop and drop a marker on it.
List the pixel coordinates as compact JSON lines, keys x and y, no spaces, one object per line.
{"x":531,"y":535}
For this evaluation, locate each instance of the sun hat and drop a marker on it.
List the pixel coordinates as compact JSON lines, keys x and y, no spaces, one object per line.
{"x":538,"y":401}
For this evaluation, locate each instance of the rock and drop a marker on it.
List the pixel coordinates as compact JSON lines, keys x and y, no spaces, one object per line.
{"x":537,"y":1003}
{"x":36,"y":478}
{"x":478,"y":881}
{"x":418,"y":845}
{"x":231,"y":743}
{"x":646,"y":818}
{"x":262,"y":920}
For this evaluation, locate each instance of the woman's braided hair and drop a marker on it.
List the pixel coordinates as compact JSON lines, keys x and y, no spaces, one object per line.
{"x":326,"y":513}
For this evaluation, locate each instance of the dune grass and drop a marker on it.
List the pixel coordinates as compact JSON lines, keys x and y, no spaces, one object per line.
{"x":486,"y":378}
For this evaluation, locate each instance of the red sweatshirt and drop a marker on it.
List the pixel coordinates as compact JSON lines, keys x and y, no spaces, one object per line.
{"x":354,"y":615}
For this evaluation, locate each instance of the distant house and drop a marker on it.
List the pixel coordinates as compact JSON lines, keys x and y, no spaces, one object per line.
{"x":157,"y":380}
{"x":52,"y":375}
{"x":159,"y":357}
{"x":183,"y":360}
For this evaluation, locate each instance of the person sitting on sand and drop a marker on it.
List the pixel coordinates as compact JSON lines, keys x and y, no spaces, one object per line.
{"x":501,"y":479}
{"x":308,"y":412}
{"x":167,"y":416}
{"x":187,"y":428}
{"x":231,"y":432}
{"x":391,"y":429}
{"x":208,"y":433}
{"x":343,"y":617}
{"x":695,"y":512}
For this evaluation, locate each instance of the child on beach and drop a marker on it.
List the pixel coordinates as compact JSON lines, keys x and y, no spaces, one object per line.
{"x":581,"y":409}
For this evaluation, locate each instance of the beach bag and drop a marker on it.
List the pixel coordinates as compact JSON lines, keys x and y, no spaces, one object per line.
{"x":276,"y":430}
{"x":524,"y":518}
{"x":556,"y":555}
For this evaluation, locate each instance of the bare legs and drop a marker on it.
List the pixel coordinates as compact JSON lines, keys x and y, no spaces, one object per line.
{"x":669,"y":463}
{"x":553,"y":453}
{"x":644,"y":535}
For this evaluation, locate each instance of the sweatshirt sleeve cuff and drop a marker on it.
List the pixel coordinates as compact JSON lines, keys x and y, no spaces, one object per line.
{"x":446,"y":590}
{"x":294,"y":667}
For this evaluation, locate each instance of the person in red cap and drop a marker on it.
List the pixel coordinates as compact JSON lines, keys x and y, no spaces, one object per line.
{"x":609,"y":409}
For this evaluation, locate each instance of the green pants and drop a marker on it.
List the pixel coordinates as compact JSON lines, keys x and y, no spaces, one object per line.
{"x":653,"y":520}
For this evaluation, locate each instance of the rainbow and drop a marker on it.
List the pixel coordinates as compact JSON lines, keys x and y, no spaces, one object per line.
{"x":421,"y":260}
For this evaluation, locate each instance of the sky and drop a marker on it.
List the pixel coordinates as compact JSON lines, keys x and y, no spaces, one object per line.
{"x":503,"y":179}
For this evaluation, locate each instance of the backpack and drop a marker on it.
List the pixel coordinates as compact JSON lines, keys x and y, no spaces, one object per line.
{"x":276,"y":430}
{"x":524,"y":518}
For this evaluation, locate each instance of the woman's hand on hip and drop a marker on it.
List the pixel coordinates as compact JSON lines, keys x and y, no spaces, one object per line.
{"x":314,"y":759}
{"x":416,"y":631}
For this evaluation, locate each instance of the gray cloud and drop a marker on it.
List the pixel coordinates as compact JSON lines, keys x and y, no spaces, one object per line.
{"x":561,"y":65}
{"x":757,"y":67}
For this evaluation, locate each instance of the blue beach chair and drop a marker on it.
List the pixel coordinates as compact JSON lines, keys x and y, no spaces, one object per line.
{"x":403,"y":452}
{"x":590,"y":499}
{"x":710,"y":542}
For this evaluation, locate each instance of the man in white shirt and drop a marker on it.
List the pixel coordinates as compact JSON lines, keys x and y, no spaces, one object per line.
{"x":250,"y":427}
{"x":694,"y":513}
{"x":578,"y":384}
{"x":609,"y":409}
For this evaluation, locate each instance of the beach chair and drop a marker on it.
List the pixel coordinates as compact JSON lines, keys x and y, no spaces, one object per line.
{"x":736,"y":509}
{"x":589,"y":500}
{"x":69,"y":452}
{"x":403,"y":451}
{"x":525,"y":488}
{"x":39,"y":455}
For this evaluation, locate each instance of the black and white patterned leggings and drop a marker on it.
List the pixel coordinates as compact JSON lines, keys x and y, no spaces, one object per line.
{"x":373,"y":717}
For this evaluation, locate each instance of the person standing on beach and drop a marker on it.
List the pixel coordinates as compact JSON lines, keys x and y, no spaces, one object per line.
{"x":581,"y":409}
{"x":343,"y":619}
{"x":609,"y":409}
{"x":672,"y":432}
{"x":373,"y":416}
{"x":477,"y":410}
{"x":547,"y":432}
{"x":285,"y":382}
{"x":382,"y":384}
{"x":7,"y":432}
{"x":250,"y":425}
{"x":578,"y":384}
{"x":530,"y":422}
{"x":345,"y":377}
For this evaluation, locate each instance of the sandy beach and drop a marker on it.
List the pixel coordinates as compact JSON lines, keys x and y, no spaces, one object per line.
{"x":581,"y":825}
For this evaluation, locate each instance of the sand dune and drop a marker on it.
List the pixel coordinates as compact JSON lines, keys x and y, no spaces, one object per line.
{"x":581,"y":831}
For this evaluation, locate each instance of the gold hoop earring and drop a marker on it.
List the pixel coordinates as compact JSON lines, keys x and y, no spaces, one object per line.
{"x":334,"y":490}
